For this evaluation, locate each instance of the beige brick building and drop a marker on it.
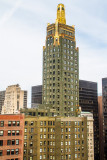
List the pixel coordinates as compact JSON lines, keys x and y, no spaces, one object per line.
{"x":15,"y":99}
{"x":58,"y":138}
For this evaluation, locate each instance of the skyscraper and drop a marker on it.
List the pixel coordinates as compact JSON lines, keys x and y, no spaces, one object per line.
{"x":36,"y":95}
{"x":62,"y":131}
{"x":60,"y":67}
{"x":104,"y":108}
{"x":88,"y":101}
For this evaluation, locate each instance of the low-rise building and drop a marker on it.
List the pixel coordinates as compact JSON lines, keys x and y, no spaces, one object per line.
{"x":11,"y":137}
{"x":58,"y":138}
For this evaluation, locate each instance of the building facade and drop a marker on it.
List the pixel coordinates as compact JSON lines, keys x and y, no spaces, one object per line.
{"x":88,"y":100}
{"x":15,"y":99}
{"x":2,"y":98}
{"x":58,"y":138}
{"x":104,"y":106}
{"x":36,"y":95}
{"x":11,"y":137}
{"x":61,"y":67}
{"x":100,"y":107}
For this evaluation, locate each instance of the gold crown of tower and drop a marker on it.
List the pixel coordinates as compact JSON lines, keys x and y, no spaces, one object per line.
{"x":61,"y":14}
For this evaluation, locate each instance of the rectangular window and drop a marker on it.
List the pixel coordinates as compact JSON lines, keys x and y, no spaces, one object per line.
{"x":8,"y":152}
{"x":1,"y":142}
{"x":9,"y":123}
{"x":17,"y":132}
{"x":17,"y":151}
{"x":17,"y":141}
{"x":8,"y":142}
{"x":13,"y":142}
{"x":14,"y":123}
{"x":9,"y":133}
{"x":1,"y":133}
{"x":12,"y":151}
{"x":2,"y":124}
{"x":25,"y":123}
{"x":13,"y":133}
{"x":1,"y":152}
{"x":18,"y":123}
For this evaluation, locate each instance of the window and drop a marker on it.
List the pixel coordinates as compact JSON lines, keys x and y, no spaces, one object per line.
{"x":9,"y":133}
{"x":24,"y":151}
{"x":1,"y":133}
{"x":1,"y":142}
{"x":1,"y":152}
{"x":31,"y":144}
{"x":8,"y":142}
{"x":14,"y":123}
{"x":13,"y":142}
{"x":9,"y":123}
{"x":12,"y":151}
{"x":25,"y":144}
{"x":8,"y":152}
{"x":17,"y":132}
{"x":32,"y":123}
{"x":25,"y":130}
{"x":25,"y":137}
{"x":41,"y":123}
{"x":2,"y":124}
{"x":13,"y":133}
{"x":17,"y":151}
{"x":17,"y":141}
{"x":25,"y":123}
{"x":31,"y":150}
{"x":18,"y":123}
{"x":40,"y":156}
{"x":31,"y":129}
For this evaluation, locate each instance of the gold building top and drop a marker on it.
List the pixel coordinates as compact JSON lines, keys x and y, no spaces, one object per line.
{"x":61,"y":14}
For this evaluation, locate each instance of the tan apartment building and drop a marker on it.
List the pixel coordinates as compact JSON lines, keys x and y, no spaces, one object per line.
{"x":58,"y":138}
{"x":15,"y":99}
{"x":11,"y":137}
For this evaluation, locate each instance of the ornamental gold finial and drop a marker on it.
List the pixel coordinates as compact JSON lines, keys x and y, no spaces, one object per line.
{"x":61,"y":14}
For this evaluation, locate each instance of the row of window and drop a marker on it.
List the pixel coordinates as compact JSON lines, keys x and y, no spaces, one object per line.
{"x":13,"y":123}
{"x":10,"y":123}
{"x":13,"y":132}
{"x":10,"y":142}
{"x":11,"y":152}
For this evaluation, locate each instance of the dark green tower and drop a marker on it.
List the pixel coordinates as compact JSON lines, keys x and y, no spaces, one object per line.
{"x":61,"y":67}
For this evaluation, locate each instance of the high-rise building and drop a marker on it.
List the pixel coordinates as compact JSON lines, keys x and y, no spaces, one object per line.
{"x":15,"y":99}
{"x":36,"y":95}
{"x":60,"y":67}
{"x":2,"y":98}
{"x":56,"y":129}
{"x":11,"y":137}
{"x":100,"y":108}
{"x":88,"y":100}
{"x":104,"y":106}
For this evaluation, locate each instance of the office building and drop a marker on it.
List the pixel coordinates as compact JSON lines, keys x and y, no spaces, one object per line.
{"x":2,"y":98}
{"x":61,"y":67}
{"x":15,"y":99}
{"x":11,"y":137}
{"x":100,"y":108}
{"x":104,"y":106}
{"x":88,"y":100}
{"x":36,"y":95}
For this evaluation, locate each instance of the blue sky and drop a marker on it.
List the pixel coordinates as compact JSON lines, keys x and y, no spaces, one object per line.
{"x":23,"y":32}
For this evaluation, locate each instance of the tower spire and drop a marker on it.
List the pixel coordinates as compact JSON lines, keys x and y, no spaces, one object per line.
{"x":61,"y":14}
